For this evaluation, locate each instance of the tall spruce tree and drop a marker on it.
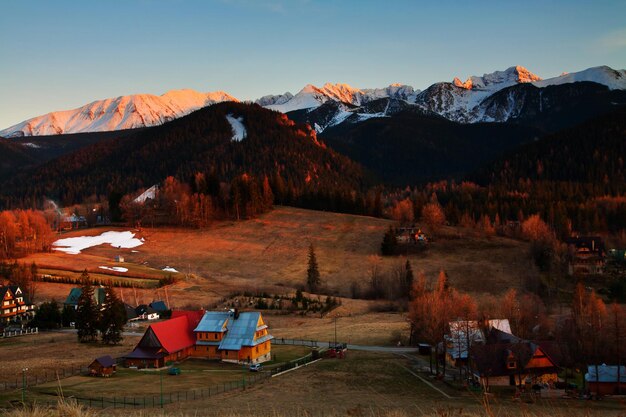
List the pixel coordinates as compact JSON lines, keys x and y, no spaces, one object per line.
{"x":87,"y":313}
{"x":390,"y":242}
{"x":408,"y":278}
{"x":313,"y":281}
{"x":112,"y":318}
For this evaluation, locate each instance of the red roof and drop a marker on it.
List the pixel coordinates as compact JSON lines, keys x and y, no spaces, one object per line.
{"x":193,"y":318}
{"x":174,"y":334}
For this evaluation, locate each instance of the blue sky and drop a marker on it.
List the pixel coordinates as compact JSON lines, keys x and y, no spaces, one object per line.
{"x":59,"y":54}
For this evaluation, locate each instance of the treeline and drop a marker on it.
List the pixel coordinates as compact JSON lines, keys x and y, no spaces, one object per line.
{"x":23,"y":232}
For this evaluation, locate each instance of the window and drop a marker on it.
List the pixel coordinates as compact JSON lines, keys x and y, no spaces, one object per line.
{"x":511,"y":364}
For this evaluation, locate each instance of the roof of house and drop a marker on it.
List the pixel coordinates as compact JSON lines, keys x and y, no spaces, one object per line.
{"x":239,"y":328}
{"x":605,"y":373}
{"x":105,"y":361}
{"x":75,"y":293}
{"x":213,"y":321}
{"x":172,"y":335}
{"x":464,"y":331}
{"x":491,"y":358}
{"x":15,"y":290}
{"x":130,"y":312}
{"x":193,"y":317}
{"x":159,"y":306}
{"x":145,"y":309}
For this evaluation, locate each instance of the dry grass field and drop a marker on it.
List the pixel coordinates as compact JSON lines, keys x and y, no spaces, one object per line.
{"x":46,"y":353}
{"x":270,"y":253}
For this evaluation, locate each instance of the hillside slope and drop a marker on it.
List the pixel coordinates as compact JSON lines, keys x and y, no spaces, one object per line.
{"x":204,"y":142}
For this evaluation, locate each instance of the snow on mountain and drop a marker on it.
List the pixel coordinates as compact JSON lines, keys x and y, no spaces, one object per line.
{"x":239,"y":130}
{"x":460,"y":101}
{"x":125,"y":112}
{"x":311,"y":96}
{"x":614,"y":79}
{"x":274,"y":99}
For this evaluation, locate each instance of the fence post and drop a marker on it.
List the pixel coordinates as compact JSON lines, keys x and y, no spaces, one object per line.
{"x":113,"y":402}
{"x":102,"y":402}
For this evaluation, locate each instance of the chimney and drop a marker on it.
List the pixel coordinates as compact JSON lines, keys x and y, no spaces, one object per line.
{"x":236,"y":313}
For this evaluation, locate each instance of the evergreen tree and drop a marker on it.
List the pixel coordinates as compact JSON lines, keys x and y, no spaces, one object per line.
{"x":408,"y":278}
{"x":68,"y":316}
{"x":87,"y":312}
{"x":112,"y":319}
{"x":312,"y":273}
{"x":48,"y":316}
{"x":388,"y":247}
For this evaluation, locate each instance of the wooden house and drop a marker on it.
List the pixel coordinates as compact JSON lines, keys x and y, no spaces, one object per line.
{"x":102,"y":366}
{"x":505,"y":359}
{"x":587,"y":255}
{"x":145,"y":312}
{"x":221,"y":335}
{"x":15,"y":307}
{"x":604,"y":379}
{"x":233,"y":337}
{"x":167,"y":341}
{"x":464,"y":334}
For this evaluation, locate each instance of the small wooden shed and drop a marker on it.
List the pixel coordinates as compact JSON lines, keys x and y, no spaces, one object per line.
{"x":102,"y":366}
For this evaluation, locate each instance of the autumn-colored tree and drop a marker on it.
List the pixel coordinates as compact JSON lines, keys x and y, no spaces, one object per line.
{"x":402,"y":211}
{"x":589,"y":315}
{"x":433,"y":215}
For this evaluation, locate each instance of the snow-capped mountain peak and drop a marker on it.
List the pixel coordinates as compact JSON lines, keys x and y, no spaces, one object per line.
{"x":124,"y":112}
{"x":498,"y":79}
{"x":614,"y":79}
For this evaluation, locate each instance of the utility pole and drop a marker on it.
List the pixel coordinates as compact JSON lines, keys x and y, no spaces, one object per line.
{"x":24,"y":384}
{"x":161,"y":376}
{"x":335,"y":332}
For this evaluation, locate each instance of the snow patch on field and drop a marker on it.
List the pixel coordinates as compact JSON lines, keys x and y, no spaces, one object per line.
{"x":114,"y":268}
{"x":239,"y":130}
{"x":73,"y":245}
{"x":169,"y":269}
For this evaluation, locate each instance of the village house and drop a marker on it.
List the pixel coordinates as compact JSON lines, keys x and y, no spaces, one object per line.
{"x":230,"y":336}
{"x":587,"y":255}
{"x":506,"y":359}
{"x":75,"y":293}
{"x":603,"y":379}
{"x":464,"y":334}
{"x":72,"y":221}
{"x":102,"y":366}
{"x":15,"y":306}
{"x":410,"y":235}
{"x":145,"y":312}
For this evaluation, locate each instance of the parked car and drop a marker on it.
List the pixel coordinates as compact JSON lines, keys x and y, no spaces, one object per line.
{"x":174,"y":371}
{"x":255,"y":367}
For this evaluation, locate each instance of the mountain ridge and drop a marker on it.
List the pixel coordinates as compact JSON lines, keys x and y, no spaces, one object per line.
{"x":457,"y":101}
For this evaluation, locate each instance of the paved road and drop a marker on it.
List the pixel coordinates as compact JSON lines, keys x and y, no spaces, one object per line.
{"x":368,"y":348}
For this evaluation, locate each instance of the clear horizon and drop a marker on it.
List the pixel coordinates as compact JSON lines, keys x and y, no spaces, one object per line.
{"x":62,"y":55}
